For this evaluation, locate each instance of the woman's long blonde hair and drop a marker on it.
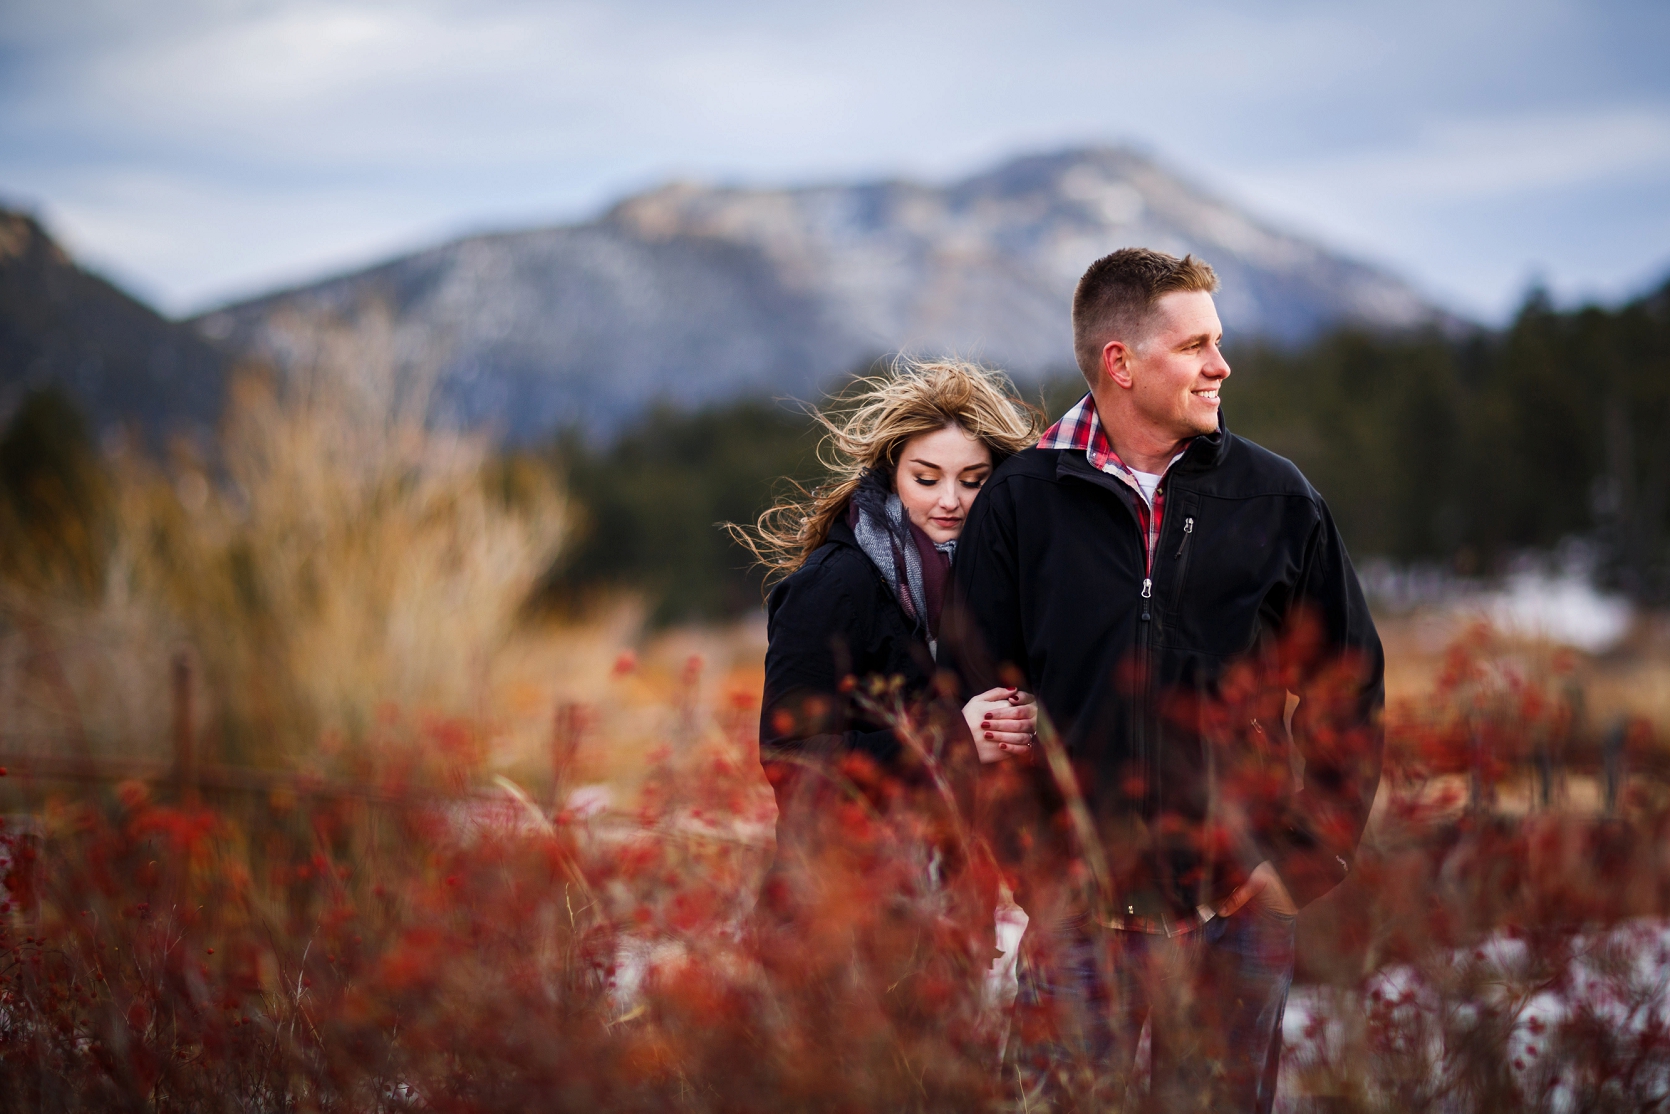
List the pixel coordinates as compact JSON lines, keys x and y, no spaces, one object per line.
{"x":867,"y":426}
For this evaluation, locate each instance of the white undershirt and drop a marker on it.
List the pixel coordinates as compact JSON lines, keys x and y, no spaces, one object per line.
{"x":1148,"y":481}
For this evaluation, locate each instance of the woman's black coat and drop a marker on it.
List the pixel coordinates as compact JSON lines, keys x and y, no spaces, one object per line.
{"x":834,"y":617}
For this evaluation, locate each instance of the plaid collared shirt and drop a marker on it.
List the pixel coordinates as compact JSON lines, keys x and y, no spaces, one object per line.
{"x":1081,"y":428}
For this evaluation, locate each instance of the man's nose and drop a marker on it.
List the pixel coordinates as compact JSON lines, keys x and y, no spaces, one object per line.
{"x":1217,"y":367}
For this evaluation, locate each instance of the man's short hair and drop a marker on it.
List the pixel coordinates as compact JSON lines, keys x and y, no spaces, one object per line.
{"x":1117,"y":293}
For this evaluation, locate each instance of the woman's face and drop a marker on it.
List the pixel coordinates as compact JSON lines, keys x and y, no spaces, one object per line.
{"x":939,"y":475}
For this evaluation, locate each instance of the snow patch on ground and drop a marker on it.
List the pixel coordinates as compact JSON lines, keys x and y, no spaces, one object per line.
{"x":1559,"y":608}
{"x":1544,"y":596}
{"x":1621,"y":975}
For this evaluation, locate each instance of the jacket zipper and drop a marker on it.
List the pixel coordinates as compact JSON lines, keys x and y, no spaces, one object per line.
{"x":1147,"y":753}
{"x":1182,"y":559}
{"x":1149,"y":743}
{"x":1142,"y":744}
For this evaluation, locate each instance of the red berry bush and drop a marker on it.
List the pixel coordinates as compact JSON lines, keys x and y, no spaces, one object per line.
{"x":433,"y":948}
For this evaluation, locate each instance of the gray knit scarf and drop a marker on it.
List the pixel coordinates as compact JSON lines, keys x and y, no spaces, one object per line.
{"x":879,"y":523}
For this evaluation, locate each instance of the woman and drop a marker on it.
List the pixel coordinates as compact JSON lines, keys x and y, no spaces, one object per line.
{"x":864,"y":561}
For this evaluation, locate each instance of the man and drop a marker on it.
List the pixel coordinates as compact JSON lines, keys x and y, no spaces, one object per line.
{"x":1167,"y":589}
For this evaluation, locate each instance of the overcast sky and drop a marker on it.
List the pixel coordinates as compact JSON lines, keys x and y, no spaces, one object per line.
{"x":197,"y":150}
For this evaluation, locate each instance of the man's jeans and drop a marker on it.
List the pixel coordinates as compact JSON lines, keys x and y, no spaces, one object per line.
{"x":1213,"y":999}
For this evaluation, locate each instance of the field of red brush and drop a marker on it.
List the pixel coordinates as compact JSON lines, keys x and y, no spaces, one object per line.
{"x":429,"y":944}
{"x":443,"y":938}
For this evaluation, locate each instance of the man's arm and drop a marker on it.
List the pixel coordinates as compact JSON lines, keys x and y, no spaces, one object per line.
{"x":1333,"y":654}
{"x":981,"y":637}
{"x":982,"y":643}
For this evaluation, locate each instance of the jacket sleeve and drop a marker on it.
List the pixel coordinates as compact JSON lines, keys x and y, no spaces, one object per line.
{"x":815,"y":618}
{"x":982,"y":640}
{"x":1332,"y":656}
{"x":981,"y":636}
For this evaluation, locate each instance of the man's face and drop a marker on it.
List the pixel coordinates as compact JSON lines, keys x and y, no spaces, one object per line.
{"x":1176,"y":369}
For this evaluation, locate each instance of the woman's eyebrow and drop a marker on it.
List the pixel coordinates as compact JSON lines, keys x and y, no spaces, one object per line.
{"x":940,"y":468}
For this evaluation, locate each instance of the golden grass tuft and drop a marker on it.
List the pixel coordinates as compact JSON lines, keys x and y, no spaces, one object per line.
{"x":333,"y":555}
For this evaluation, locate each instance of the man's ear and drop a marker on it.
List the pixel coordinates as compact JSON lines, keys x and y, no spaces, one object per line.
{"x":1116,"y":361}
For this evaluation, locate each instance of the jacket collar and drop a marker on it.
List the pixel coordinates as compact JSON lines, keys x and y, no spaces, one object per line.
{"x":841,"y":534}
{"x":1209,"y":449}
{"x":1205,"y":452}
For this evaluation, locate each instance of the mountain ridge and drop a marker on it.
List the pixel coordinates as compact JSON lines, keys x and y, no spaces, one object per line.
{"x":688,"y":293}
{"x":65,"y":327}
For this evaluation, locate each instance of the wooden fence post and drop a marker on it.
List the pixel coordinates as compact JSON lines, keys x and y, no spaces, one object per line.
{"x":185,"y":744}
{"x":1481,"y":787}
{"x":566,"y":727}
{"x":1612,"y":763}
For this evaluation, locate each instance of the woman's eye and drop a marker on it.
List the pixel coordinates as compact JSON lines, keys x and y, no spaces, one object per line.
{"x":975,"y":485}
{"x":927,"y":482}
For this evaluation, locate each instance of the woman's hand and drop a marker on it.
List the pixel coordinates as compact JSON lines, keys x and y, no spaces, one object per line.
{"x":1003,"y":722}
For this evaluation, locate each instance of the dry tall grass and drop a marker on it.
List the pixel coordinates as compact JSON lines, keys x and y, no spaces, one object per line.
{"x":332,"y":554}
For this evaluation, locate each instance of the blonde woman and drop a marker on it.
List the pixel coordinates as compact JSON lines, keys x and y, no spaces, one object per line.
{"x":864,"y":560}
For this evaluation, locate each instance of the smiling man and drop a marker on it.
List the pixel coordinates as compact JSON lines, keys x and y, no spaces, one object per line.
{"x":1182,"y":605}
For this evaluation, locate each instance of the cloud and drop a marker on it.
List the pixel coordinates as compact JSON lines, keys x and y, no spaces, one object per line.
{"x":1475,"y":207}
{"x":212,"y":145}
{"x":211,"y":234}
{"x":346,"y":85}
{"x":1482,"y":157}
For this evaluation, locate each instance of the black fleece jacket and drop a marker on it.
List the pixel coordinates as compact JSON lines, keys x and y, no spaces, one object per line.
{"x":1168,"y":685}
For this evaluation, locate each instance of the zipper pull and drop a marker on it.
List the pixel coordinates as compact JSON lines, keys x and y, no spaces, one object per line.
{"x":1147,"y":588}
{"x":1188,"y":528}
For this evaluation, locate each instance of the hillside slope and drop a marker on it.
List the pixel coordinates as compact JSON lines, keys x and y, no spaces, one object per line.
{"x":118,"y":359}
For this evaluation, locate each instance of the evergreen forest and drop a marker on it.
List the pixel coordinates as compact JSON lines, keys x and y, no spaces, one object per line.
{"x":1450,"y":451}
{"x":1457,"y":451}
